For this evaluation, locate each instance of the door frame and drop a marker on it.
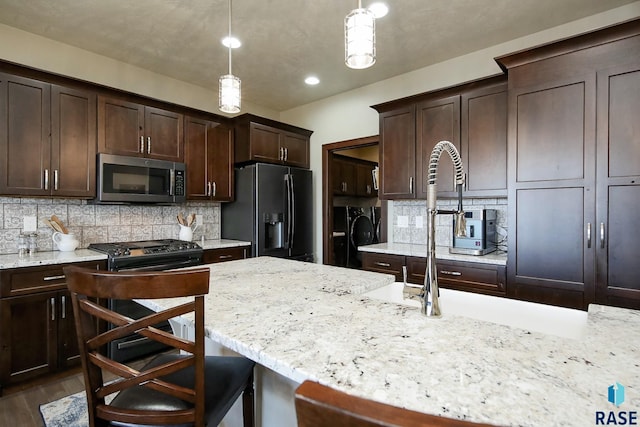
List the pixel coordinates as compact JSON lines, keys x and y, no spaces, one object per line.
{"x":327,"y":193}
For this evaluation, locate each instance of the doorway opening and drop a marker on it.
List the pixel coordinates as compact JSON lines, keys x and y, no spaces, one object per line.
{"x":349,"y":190}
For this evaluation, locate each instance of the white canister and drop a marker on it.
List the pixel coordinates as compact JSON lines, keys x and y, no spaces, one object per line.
{"x":186,"y":233}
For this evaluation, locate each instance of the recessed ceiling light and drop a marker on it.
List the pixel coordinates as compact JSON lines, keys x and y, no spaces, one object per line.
{"x":235,"y":43}
{"x":379,"y":9}
{"x":312,"y":80}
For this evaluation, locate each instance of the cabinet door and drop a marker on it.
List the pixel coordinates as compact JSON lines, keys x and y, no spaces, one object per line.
{"x":364,"y":180}
{"x":437,"y":120}
{"x":265,"y":143}
{"x":68,"y":350}
{"x":343,"y":176}
{"x":163,"y":134}
{"x":28,"y":336}
{"x":552,"y":192}
{"x":296,"y":150}
{"x":24,"y":136}
{"x":397,"y":154}
{"x":220,"y":159}
{"x":484,"y":141}
{"x":120,"y":127}
{"x":618,"y":177}
{"x":73,"y":142}
{"x":195,"y":157}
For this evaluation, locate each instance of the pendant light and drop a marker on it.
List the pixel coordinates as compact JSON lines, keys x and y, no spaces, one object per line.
{"x":229,"y":89}
{"x":360,"y":38}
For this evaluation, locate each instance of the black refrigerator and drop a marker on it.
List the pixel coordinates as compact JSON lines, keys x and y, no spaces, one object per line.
{"x":273,"y":209}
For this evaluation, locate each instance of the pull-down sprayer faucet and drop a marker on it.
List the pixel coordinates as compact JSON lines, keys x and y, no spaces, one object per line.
{"x":430,"y":292}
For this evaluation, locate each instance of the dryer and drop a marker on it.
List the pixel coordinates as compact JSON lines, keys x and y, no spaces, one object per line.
{"x":361,"y":232}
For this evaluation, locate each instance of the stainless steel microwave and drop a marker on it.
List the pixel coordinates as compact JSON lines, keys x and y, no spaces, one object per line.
{"x":123,"y":179}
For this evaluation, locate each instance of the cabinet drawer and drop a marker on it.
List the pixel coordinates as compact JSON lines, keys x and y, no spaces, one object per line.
{"x":211,"y":256}
{"x":383,"y":263}
{"x":27,"y":280}
{"x":476,"y":277}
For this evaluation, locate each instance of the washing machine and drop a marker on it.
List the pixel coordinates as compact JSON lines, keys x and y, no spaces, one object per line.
{"x":361,"y":232}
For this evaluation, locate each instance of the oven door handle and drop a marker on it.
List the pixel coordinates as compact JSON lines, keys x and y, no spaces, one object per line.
{"x":161,"y":267}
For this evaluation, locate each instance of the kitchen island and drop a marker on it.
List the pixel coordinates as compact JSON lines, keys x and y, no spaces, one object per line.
{"x":308,"y":321}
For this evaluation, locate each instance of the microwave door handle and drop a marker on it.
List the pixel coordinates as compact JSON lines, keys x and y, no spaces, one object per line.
{"x":172,"y":180}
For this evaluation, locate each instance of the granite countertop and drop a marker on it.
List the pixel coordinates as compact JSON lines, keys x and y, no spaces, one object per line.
{"x":442,"y":252}
{"x":308,"y":321}
{"x":80,"y":255}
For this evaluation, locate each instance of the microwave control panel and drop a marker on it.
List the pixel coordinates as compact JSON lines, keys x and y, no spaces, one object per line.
{"x":179,"y":183}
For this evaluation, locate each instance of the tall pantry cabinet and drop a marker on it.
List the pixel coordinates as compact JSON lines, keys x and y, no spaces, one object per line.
{"x":574,"y":170}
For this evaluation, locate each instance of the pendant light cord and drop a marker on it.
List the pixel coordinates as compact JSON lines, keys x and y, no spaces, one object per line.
{"x":230,"y":37}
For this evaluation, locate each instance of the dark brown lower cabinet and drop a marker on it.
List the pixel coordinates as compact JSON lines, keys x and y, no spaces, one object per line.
{"x":464,"y":276}
{"x":211,"y":256}
{"x":38,"y":331}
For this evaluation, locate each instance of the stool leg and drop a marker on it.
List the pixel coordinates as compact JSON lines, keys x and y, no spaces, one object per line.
{"x":248,"y":403}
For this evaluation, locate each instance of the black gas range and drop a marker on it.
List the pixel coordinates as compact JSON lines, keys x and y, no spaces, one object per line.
{"x":150,"y":255}
{"x":146,"y":255}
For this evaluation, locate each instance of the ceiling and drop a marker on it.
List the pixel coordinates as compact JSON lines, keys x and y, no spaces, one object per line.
{"x":286,"y":40}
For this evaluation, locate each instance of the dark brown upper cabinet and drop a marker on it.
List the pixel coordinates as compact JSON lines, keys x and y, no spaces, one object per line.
{"x":258,"y":139}
{"x":47,"y":139}
{"x":574,"y":170}
{"x":352,"y":177}
{"x":132,"y":129}
{"x":473,"y":117}
{"x":209,"y":160}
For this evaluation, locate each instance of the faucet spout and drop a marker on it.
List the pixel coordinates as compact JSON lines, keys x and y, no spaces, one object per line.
{"x":431,"y":293}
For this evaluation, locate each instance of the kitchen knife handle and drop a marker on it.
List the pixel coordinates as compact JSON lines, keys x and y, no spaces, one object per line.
{"x":588,"y":235}
{"x":602,"y":235}
{"x":141,"y":144}
{"x":46,"y":179}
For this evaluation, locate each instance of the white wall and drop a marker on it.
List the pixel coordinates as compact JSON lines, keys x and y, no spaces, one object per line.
{"x":348,"y":116}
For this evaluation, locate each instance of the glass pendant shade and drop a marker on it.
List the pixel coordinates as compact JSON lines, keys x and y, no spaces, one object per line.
{"x":360,"y":39}
{"x":229,"y":96}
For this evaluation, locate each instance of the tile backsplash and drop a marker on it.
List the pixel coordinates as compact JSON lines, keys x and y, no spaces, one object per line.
{"x":414,"y":210}
{"x":93,"y":223}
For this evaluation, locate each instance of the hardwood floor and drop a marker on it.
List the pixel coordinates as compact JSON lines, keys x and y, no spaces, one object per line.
{"x":19,"y":404}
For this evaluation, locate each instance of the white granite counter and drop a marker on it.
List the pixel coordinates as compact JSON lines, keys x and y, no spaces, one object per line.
{"x":307,"y":321}
{"x":442,"y":252}
{"x":80,"y":255}
{"x":49,"y":258}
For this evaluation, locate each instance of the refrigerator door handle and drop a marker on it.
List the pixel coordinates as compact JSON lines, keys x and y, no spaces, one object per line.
{"x":292,"y":219}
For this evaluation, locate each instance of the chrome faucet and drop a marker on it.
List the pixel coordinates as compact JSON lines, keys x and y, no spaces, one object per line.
{"x":430,"y":292}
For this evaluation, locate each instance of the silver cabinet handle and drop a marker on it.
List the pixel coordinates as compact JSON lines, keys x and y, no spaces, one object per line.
{"x":148,"y":145}
{"x":208,"y":190}
{"x":451,"y":273}
{"x":141,"y":144}
{"x":46,"y":179}
{"x":281,"y":156}
{"x":63,"y":300}
{"x":588,"y":235}
{"x":52,"y":301}
{"x":225,"y":256}
{"x":411,"y":185}
{"x":215,"y":189}
{"x":55,"y":179}
{"x":49,"y":278}
{"x":286,"y":154}
{"x":602,"y":235}
{"x":382,"y":264}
